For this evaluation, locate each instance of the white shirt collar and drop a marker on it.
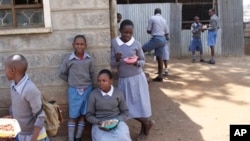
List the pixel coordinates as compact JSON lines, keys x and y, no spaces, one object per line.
{"x":20,"y":85}
{"x":110,"y":93}
{"x":73,"y":56}
{"x":120,"y":42}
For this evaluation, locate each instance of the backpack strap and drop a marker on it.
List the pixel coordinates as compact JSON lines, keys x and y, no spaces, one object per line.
{"x":36,"y":115}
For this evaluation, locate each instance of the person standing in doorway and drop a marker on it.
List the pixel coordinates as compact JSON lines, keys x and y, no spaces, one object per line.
{"x":212,"y":33}
{"x":157,"y":27}
{"x":119,"y":17}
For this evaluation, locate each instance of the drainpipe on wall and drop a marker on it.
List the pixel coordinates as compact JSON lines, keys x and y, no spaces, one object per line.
{"x":113,"y":18}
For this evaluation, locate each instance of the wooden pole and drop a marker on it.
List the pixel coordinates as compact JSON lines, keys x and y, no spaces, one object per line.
{"x":113,"y":18}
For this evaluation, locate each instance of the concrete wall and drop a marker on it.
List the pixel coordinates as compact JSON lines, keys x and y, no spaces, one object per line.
{"x":45,"y":52}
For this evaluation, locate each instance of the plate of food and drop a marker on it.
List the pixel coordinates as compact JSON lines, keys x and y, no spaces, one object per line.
{"x":204,"y":27}
{"x":9,"y":128}
{"x":110,"y":124}
{"x":130,"y":60}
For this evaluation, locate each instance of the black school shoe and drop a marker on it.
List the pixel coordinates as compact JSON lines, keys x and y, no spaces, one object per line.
{"x":202,"y":60}
{"x":158,"y":79}
{"x":211,"y":62}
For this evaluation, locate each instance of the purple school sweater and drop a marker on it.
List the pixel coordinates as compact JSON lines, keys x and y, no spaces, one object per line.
{"x":128,"y":49}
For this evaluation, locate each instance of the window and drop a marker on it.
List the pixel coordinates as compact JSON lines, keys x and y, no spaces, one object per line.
{"x":18,"y":15}
{"x":143,"y":1}
{"x":191,"y":8}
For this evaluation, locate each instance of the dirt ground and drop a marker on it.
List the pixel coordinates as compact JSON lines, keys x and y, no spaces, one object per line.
{"x":198,"y":101}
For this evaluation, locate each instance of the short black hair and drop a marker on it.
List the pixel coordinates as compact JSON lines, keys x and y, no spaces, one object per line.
{"x":106,"y":71}
{"x":196,"y":17}
{"x":126,"y":22}
{"x":157,"y":11}
{"x":80,"y":36}
{"x":119,"y":14}
{"x":19,"y":62}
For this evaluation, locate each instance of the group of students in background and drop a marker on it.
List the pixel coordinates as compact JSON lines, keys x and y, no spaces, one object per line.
{"x":131,"y":100}
{"x":197,"y":28}
{"x":159,"y":31}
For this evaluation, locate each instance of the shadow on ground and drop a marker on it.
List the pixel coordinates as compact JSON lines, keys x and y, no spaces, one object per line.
{"x":192,"y":102}
{"x":172,"y":124}
{"x":191,"y":82}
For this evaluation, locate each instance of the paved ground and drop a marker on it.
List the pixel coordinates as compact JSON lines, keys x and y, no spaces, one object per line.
{"x":198,"y":101}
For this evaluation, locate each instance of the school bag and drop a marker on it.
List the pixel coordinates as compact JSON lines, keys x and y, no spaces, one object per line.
{"x":53,"y":116}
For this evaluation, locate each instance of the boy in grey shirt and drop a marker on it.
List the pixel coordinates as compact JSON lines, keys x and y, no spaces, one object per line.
{"x":26,"y":100}
{"x":212,"y":33}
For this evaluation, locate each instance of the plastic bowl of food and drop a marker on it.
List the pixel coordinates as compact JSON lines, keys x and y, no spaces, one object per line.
{"x":9,"y":128}
{"x":131,"y":60}
{"x":109,"y":124}
{"x":204,"y":27}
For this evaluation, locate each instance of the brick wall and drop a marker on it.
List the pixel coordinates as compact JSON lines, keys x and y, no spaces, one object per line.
{"x":45,"y":52}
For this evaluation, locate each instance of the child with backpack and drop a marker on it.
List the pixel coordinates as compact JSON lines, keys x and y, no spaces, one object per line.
{"x":26,"y":100}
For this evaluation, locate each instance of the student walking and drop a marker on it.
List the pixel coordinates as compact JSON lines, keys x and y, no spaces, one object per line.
{"x":26,"y":100}
{"x":157,"y":27}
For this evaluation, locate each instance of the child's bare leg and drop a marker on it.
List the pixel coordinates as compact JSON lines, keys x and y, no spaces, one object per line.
{"x":165,"y":63}
{"x":166,"y":67}
{"x":146,"y":125}
{"x":212,"y":60}
{"x":201,"y":56}
{"x":212,"y":52}
{"x":160,"y":66}
{"x":193,"y":56}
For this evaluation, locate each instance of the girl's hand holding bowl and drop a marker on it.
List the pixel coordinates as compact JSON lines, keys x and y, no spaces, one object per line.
{"x":131,"y":60}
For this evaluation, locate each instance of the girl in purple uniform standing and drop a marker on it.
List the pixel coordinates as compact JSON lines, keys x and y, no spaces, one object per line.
{"x":132,"y":80}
